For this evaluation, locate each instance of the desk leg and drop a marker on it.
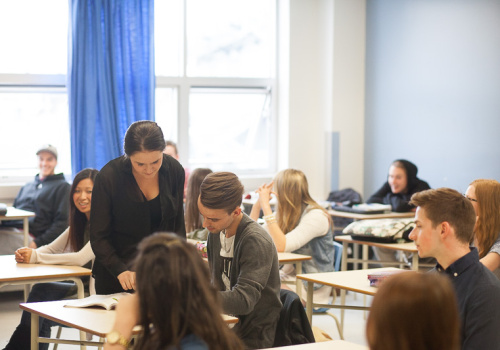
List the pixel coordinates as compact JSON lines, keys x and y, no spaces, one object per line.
{"x":26,"y":231}
{"x":298,"y":281}
{"x":34,"y":331}
{"x":355,"y":255}
{"x":414,"y":264}
{"x":342,"y":293}
{"x":309,"y":303}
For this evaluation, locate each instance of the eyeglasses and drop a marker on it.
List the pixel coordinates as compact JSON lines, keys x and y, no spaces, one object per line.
{"x":471,"y":199}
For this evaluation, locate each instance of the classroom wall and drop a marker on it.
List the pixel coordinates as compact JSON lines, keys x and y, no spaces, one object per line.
{"x":432,"y":90}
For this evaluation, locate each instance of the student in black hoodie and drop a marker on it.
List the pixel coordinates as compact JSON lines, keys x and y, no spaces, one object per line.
{"x":402,"y":182}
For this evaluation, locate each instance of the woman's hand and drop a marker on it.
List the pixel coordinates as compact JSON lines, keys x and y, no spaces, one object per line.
{"x":127,"y":280}
{"x":265,"y":192}
{"x":23,"y":255}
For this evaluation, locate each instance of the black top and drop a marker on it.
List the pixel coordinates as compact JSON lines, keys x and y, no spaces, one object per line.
{"x":477,"y":290}
{"x":399,"y":201}
{"x":49,"y":200}
{"x":121,"y":216}
{"x":155,"y":213}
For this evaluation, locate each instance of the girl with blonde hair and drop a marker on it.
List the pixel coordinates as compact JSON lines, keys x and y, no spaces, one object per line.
{"x":484,"y":195}
{"x":299,"y":225}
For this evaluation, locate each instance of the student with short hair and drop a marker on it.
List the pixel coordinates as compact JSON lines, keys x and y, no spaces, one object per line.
{"x":444,"y":229}
{"x":484,"y":195}
{"x":174,"y":303}
{"x":243,"y":260}
{"x":47,"y":196}
{"x":414,"y":311}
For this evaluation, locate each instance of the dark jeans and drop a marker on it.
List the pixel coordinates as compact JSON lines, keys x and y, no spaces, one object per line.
{"x":40,"y":292}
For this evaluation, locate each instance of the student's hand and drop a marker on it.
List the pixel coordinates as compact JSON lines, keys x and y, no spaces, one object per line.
{"x":127,"y":316}
{"x":23,"y":255}
{"x":264,"y":192}
{"x":127,"y":280}
{"x":32,"y":245}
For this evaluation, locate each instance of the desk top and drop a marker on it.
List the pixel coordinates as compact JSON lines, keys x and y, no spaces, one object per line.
{"x":96,"y":321}
{"x":405,"y":247}
{"x":353,"y":280}
{"x":292,"y":257}
{"x":16,"y":214}
{"x":326,"y":345}
{"x":356,"y":216}
{"x":11,"y":271}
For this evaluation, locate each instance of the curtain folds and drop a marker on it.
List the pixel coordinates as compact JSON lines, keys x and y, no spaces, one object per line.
{"x":111,"y":76}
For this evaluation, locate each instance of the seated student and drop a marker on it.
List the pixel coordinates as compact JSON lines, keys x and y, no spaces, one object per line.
{"x":243,"y":260}
{"x":414,"y":311}
{"x":300,"y":225}
{"x":485,"y":198}
{"x":402,"y":182}
{"x":47,"y":197}
{"x":194,"y":221}
{"x":72,"y":247}
{"x":171,"y":150}
{"x":444,"y":228}
{"x":177,"y":307}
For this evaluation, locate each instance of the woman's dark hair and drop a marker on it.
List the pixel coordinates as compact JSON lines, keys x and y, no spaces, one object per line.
{"x":414,"y":311}
{"x":192,"y":214}
{"x":77,"y":219}
{"x":176,"y":297}
{"x":143,"y":135}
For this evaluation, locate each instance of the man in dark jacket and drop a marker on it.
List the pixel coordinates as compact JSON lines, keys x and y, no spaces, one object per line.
{"x":48,"y":197}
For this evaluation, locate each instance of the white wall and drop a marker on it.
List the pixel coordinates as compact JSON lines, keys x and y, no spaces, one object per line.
{"x":325,"y":92}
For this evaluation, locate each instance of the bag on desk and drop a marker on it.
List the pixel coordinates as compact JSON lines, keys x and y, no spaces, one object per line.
{"x":381,"y":230}
{"x":3,"y":209}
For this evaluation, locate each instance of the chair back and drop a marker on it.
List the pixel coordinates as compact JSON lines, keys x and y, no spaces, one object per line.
{"x":337,"y":248}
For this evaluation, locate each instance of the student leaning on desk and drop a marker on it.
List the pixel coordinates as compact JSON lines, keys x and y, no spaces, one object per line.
{"x":175,"y":307}
{"x":299,"y":225}
{"x":72,"y":247}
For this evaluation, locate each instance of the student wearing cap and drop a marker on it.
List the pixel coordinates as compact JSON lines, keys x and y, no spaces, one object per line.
{"x":47,"y":196}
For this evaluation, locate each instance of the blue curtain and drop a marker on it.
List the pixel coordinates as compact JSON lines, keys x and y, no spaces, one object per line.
{"x":111,"y":76}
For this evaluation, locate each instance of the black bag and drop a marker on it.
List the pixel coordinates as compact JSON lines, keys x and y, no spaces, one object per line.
{"x":3,"y":209}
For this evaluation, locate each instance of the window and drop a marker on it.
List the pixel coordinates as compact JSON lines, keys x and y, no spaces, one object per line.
{"x":219,"y":58}
{"x":33,"y":99}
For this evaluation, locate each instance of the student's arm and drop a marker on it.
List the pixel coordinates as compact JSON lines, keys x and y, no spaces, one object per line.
{"x":255,"y":264}
{"x":491,"y":261}
{"x":255,"y":212}
{"x":127,"y":316}
{"x":61,"y":214}
{"x":378,"y":197}
{"x":101,"y":216}
{"x":278,"y":236}
{"x":313,"y":224}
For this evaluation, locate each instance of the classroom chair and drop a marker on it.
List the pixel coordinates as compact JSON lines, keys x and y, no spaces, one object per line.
{"x":324,"y":310}
{"x":293,"y":326}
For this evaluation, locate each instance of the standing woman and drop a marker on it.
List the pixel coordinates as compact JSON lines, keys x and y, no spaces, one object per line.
{"x":134,"y":195}
{"x":300,"y":225}
{"x":72,"y":247}
{"x":485,"y":198}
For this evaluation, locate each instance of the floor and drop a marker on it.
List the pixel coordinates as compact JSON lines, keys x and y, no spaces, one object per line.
{"x":10,"y":314}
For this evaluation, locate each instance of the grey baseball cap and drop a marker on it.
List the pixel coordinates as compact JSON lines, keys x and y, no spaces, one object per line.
{"x":48,"y":148}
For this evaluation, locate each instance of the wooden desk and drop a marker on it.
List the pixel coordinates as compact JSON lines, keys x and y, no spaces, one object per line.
{"x":95,"y":321}
{"x":409,"y":247}
{"x":325,"y":345}
{"x":355,"y":281}
{"x":19,"y":214}
{"x":297,"y":259}
{"x":13,"y":273}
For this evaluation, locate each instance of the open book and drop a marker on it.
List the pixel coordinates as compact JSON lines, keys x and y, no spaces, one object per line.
{"x":108,"y":301}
